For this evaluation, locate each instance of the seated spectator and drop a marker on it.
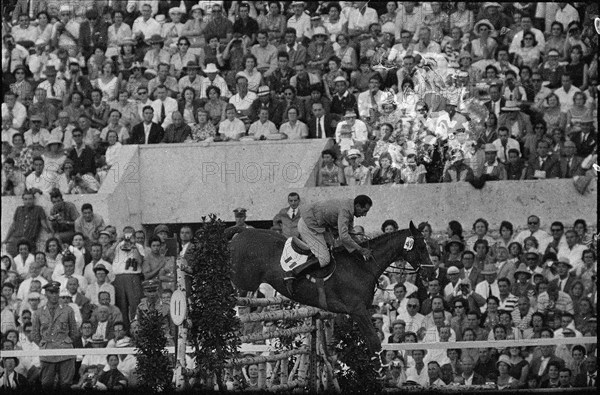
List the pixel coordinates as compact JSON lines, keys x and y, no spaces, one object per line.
{"x":262,"y":128}
{"x":294,"y":128}
{"x":113,"y":379}
{"x":458,"y":171}
{"x":232,"y":128}
{"x":244,"y":97}
{"x":469,"y":376}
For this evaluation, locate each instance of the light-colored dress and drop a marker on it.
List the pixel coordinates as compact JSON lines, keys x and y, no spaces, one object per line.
{"x":109,"y":89}
{"x":329,"y":177}
{"x":52,"y":167}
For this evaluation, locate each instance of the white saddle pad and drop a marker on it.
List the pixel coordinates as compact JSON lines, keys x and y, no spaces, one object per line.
{"x":290,"y":258}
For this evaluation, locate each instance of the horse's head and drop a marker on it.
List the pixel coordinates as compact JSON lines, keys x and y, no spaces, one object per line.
{"x":416,"y":249}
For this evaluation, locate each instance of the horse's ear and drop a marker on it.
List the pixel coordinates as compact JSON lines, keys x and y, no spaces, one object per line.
{"x":413,"y":230}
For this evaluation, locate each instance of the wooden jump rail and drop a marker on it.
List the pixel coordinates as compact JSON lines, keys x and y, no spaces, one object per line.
{"x":275,"y":315}
{"x":308,"y":364}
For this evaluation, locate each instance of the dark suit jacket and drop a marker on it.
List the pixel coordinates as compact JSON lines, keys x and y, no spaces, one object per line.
{"x":581,"y":380}
{"x":276,"y":109}
{"x":574,"y":169}
{"x":78,"y":343}
{"x":570,"y":281}
{"x":85,"y":163}
{"x":477,"y":379}
{"x":177,"y":135}
{"x":536,"y":363}
{"x":85,"y":307}
{"x":138,"y":136}
{"x":488,"y":104}
{"x":551,"y":167}
{"x":475,"y":276}
{"x":329,"y":131}
{"x":22,"y":7}
{"x":584,"y":148}
{"x":20,"y":381}
{"x":89,"y":40}
{"x":110,"y":331}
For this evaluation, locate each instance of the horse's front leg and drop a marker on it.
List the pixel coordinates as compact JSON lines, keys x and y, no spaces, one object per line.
{"x":368,"y":330}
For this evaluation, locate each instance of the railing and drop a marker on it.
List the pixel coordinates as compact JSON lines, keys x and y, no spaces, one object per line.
{"x":251,"y":348}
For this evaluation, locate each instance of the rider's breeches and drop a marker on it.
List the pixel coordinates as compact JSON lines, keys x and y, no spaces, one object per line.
{"x":315,"y":241}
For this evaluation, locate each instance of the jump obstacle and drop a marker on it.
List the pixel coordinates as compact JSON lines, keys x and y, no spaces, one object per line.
{"x":311,"y":366}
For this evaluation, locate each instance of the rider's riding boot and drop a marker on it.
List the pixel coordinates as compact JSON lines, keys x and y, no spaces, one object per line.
{"x":290,"y":276}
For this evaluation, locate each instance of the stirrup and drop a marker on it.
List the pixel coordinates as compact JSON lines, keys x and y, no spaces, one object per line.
{"x":289,"y":284}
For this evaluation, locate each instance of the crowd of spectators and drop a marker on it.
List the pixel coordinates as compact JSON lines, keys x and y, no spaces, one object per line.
{"x":405,"y":92}
{"x":516,"y":282}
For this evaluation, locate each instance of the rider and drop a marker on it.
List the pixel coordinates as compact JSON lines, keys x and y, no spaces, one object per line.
{"x":320,"y":221}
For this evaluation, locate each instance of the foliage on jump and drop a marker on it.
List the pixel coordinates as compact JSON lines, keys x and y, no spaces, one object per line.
{"x":153,"y":361}
{"x":214,"y":329}
{"x":360,"y":372}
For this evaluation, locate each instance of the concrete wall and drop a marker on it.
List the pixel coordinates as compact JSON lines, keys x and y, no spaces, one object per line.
{"x":181,"y":183}
{"x":117,"y":201}
{"x":184,"y":182}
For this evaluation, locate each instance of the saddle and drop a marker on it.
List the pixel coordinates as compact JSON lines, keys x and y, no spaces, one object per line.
{"x":311,"y":268}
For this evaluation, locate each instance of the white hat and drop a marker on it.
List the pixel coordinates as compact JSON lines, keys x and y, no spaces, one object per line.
{"x":453,"y":270}
{"x":340,"y":79}
{"x":175,"y":10}
{"x":64,"y":293}
{"x":319,"y":31}
{"x":196,"y":7}
{"x":64,"y":8}
{"x":211,"y":68}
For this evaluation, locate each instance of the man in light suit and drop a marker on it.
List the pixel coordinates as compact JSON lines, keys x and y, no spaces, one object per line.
{"x":542,"y":165}
{"x":288,"y":217}
{"x":147,"y":132}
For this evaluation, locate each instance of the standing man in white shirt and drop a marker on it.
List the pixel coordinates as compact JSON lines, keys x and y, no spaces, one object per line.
{"x":127,"y":266}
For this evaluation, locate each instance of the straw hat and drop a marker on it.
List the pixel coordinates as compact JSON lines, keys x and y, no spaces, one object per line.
{"x":455,"y":240}
{"x":511,"y":105}
{"x":211,"y":68}
{"x":565,"y":261}
{"x":54,"y":140}
{"x":522,"y":269}
{"x":489,"y":268}
{"x":490,"y":148}
{"x":354,"y":153}
{"x":504,"y":359}
{"x":319,"y":31}
{"x":340,"y":79}
{"x":484,"y":22}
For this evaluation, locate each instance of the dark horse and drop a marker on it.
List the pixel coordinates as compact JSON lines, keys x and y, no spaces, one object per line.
{"x":255,"y":255}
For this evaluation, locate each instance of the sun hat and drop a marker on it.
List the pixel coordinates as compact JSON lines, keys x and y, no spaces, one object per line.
{"x":453,"y":270}
{"x":504,"y":359}
{"x":490,"y":148}
{"x":175,"y":10}
{"x":491,"y":4}
{"x":455,"y":240}
{"x":350,"y":113}
{"x":161,"y":228}
{"x":54,"y":140}
{"x":565,"y":261}
{"x":340,"y":79}
{"x":100,"y":267}
{"x":319,"y":31}
{"x":211,"y":68}
{"x":196,"y":7}
{"x":489,"y":268}
{"x":354,"y":153}
{"x":156,"y":38}
{"x":34,"y":296}
{"x":160,"y":18}
{"x":511,"y":105}
{"x":264,"y":90}
{"x":522,"y":269}
{"x":484,"y":22}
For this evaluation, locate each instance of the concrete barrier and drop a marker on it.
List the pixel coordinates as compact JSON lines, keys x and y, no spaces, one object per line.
{"x":181,"y":183}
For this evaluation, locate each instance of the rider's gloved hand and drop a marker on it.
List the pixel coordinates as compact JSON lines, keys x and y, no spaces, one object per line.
{"x":366,"y":253}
